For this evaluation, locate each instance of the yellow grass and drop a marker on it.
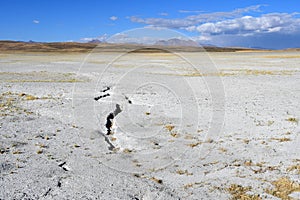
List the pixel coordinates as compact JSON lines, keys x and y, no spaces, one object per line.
{"x":283,"y":187}
{"x":238,"y":72}
{"x":284,"y":139}
{"x":292,"y":119}
{"x":194,"y":144}
{"x":169,"y":127}
{"x":294,"y":167}
{"x":283,"y":56}
{"x":9,"y":102}
{"x":184,"y":172}
{"x":239,"y":192}
{"x":41,"y":76}
{"x":44,"y":81}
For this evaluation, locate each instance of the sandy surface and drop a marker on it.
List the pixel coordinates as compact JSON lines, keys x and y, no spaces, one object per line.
{"x":185,"y":125}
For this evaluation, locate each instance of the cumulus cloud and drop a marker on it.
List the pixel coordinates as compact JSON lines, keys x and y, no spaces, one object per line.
{"x":190,"y":11}
{"x":36,"y":21}
{"x":267,"y":23}
{"x":240,"y":27}
{"x":113,"y":18}
{"x":194,"y":19}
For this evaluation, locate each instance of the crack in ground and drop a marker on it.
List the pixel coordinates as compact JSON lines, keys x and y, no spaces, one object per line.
{"x":103,"y":96}
{"x":100,"y":97}
{"x":106,"y":139}
{"x":106,"y":89}
{"x":64,"y":166}
{"x":110,"y":118}
{"x":129,"y":101}
{"x":47,"y":192}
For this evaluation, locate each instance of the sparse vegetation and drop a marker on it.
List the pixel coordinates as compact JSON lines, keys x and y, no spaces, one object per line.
{"x":284,"y":139}
{"x":10,"y":102}
{"x":239,"y":192}
{"x":283,"y":56}
{"x":39,"y":77}
{"x":156,"y":180}
{"x":283,"y":187}
{"x":238,"y":72}
{"x":184,"y":172}
{"x":194,"y":144}
{"x":175,"y":135}
{"x":293,"y":120}
{"x":169,"y":127}
{"x":293,"y":168}
{"x":127,"y":150}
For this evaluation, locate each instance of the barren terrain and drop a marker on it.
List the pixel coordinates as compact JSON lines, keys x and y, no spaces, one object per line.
{"x":184,"y":125}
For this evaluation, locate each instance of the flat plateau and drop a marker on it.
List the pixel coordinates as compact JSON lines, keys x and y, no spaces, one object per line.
{"x":190,"y":125}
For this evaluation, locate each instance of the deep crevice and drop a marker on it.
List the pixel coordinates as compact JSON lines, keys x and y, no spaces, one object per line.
{"x":110,"y":145}
{"x":59,"y":183}
{"x":106,"y":89}
{"x":129,"y":101}
{"x":106,"y":139}
{"x":48,"y":191}
{"x":100,"y":97}
{"x":110,"y":118}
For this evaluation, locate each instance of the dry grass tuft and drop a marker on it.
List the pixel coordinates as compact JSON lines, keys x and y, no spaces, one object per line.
{"x":169,"y":127}
{"x":10,"y":102}
{"x":239,"y":192}
{"x":237,"y":72}
{"x":294,"y":167}
{"x":175,"y":135}
{"x":194,"y":144}
{"x":283,"y":56}
{"x":284,"y":139}
{"x":127,"y":150}
{"x":189,"y":185}
{"x":293,"y":119}
{"x":156,"y":180}
{"x":283,"y":187}
{"x":30,"y":97}
{"x":40,"y":77}
{"x":223,"y":149}
{"x":184,"y":172}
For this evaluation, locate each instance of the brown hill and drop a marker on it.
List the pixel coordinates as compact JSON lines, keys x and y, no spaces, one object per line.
{"x":16,"y":46}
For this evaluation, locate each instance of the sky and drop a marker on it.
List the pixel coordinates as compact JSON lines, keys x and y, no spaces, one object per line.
{"x":271,"y":24}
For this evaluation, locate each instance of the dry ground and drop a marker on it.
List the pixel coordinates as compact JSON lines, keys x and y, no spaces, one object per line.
{"x":53,"y":134}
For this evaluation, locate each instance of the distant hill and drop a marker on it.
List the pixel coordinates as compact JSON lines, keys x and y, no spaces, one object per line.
{"x":177,"y":42}
{"x":94,"y":41}
{"x":173,"y":45}
{"x":45,"y":47}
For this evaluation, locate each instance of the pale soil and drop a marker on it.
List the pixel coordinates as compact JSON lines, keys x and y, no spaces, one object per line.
{"x":225,"y":128}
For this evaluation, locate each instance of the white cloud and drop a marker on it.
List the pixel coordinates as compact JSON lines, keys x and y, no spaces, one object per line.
{"x":190,"y":11}
{"x":36,"y":21}
{"x":193,"y":20}
{"x":268,"y":23}
{"x":113,"y":18}
{"x":101,"y":38}
{"x":238,"y":27}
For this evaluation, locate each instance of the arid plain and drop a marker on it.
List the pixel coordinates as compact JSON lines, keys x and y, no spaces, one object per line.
{"x":185,"y":125}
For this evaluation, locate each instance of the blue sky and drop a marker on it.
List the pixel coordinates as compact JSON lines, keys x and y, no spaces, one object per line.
{"x":269,"y":24}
